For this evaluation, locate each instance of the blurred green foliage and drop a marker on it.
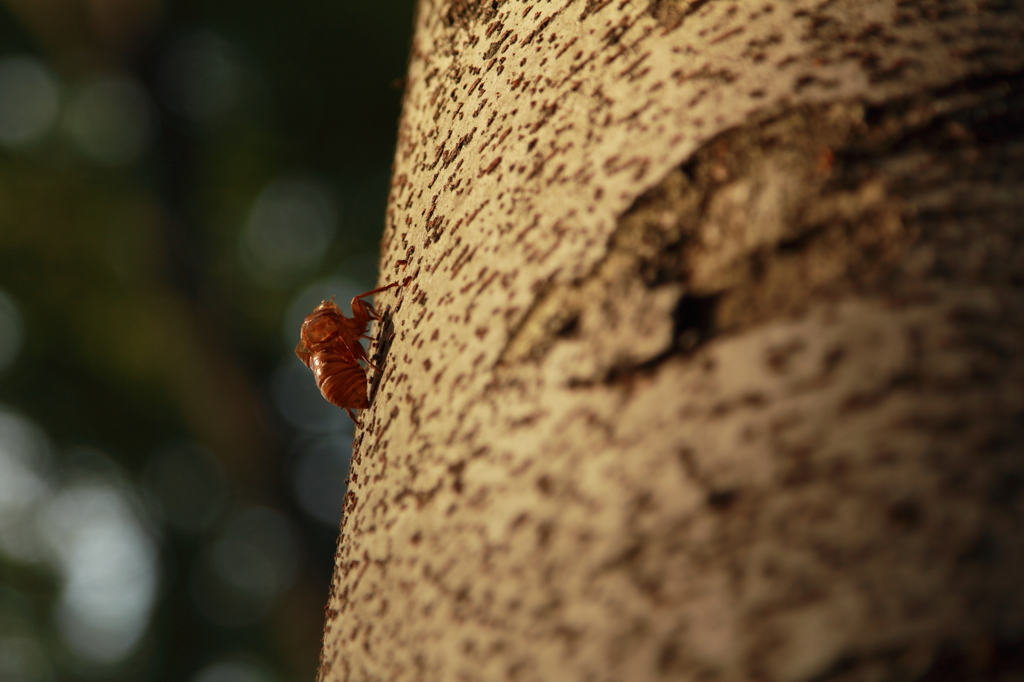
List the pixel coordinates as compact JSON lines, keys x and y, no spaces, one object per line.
{"x":143,"y":323}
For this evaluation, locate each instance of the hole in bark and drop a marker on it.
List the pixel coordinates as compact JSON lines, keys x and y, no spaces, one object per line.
{"x":832,"y":359}
{"x":905,"y":514}
{"x":668,"y":657}
{"x":720,"y":500}
{"x":694,"y":319}
{"x":568,"y":327}
{"x":544,"y":531}
{"x":456,"y":470}
{"x":520,"y":521}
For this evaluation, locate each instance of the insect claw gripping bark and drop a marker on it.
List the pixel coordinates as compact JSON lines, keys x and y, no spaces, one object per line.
{"x":329,"y":346}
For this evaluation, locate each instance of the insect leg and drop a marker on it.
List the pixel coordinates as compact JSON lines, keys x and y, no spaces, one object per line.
{"x":364,"y":311}
{"x":377,"y":290}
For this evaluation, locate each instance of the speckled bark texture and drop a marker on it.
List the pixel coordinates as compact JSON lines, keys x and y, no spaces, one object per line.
{"x":709,"y":362}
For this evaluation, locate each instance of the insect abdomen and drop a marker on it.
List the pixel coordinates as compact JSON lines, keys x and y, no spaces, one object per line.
{"x":340,"y":379}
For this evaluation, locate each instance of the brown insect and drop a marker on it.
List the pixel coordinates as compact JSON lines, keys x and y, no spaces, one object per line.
{"x":329,"y":345}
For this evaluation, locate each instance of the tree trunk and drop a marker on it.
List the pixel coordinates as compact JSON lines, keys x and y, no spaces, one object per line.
{"x":709,"y":364}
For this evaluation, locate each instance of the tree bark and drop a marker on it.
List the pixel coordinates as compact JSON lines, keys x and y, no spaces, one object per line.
{"x":709,"y":364}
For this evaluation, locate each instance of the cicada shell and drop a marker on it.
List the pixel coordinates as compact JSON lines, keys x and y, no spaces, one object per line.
{"x":329,"y":345}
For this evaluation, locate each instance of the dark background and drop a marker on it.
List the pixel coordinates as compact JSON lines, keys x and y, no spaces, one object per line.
{"x":180,"y":183}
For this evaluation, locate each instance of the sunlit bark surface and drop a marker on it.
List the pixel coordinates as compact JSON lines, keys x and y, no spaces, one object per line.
{"x":710,"y":363}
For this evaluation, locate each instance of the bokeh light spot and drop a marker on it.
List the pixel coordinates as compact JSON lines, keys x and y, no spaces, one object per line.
{"x":252,"y":562}
{"x":233,"y":670}
{"x":290,"y":227}
{"x":109,"y":565}
{"x":319,"y":479}
{"x":200,"y":76}
{"x":257,"y":552}
{"x":29,"y":100}
{"x":12,"y":330}
{"x":109,"y":120}
{"x":24,"y":460}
